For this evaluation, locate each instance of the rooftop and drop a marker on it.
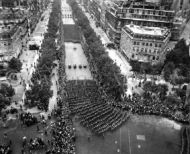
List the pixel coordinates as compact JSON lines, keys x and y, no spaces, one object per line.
{"x":142,"y":30}
{"x":11,"y":14}
{"x":141,"y":4}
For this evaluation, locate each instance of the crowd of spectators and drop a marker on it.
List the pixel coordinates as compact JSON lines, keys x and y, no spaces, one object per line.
{"x":28,"y":119}
{"x":63,"y":137}
{"x":36,"y":144}
{"x":152,"y":105}
{"x":5,"y":149}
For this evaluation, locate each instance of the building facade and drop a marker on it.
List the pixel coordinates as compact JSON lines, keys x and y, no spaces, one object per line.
{"x":121,"y":13}
{"x":13,"y":28}
{"x":17,"y":20}
{"x":144,"y":44}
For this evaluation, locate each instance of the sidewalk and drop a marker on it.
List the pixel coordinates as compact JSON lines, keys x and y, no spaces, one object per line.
{"x":116,"y":56}
{"x":53,"y":99}
{"x":29,"y":59}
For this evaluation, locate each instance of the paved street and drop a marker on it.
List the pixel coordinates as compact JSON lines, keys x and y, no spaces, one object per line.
{"x":76,"y":57}
{"x":117,"y":57}
{"x":139,"y":135}
{"x":77,"y":67}
{"x":29,"y":59}
{"x":54,"y":80}
{"x":186,"y":32}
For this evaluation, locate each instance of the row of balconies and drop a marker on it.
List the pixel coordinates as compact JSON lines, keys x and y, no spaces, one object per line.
{"x":149,"y":37}
{"x":146,"y":51}
{"x":145,"y":57}
{"x":11,"y":21}
{"x":146,"y":12}
{"x":145,"y":17}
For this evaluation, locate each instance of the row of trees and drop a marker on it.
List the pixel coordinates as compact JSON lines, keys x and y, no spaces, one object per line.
{"x":175,"y":69}
{"x":146,"y":68}
{"x":40,"y":92}
{"x":177,"y":64}
{"x":108,"y":73}
{"x":6,"y":92}
{"x":175,"y":100}
{"x":15,"y":64}
{"x":151,"y":88}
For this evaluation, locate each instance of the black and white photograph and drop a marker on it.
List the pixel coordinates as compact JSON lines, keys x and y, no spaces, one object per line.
{"x":94,"y":76}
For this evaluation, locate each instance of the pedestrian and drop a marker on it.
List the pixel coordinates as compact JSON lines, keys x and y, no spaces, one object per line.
{"x":38,"y":129}
{"x":24,"y":140}
{"x":22,"y":151}
{"x":5,"y":135}
{"x":10,"y":142}
{"x":88,"y":138}
{"x":45,"y":133}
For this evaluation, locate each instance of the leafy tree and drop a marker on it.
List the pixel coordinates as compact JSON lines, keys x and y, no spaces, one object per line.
{"x":40,"y":91}
{"x":168,"y":70}
{"x":6,"y":90}
{"x":180,"y":54}
{"x":4,"y":101}
{"x":180,"y":58}
{"x":15,"y":64}
{"x":172,"y":100}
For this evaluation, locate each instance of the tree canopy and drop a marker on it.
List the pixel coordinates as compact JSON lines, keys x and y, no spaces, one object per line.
{"x":15,"y":64}
{"x":109,"y":74}
{"x":177,"y":64}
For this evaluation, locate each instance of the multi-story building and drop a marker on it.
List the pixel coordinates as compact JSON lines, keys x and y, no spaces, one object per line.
{"x":165,"y":3}
{"x":145,"y":44}
{"x":95,"y":10}
{"x":13,"y":27}
{"x":104,"y":6}
{"x":85,"y":3}
{"x":17,"y":19}
{"x":181,"y":5}
{"x":121,"y":13}
{"x":14,"y":3}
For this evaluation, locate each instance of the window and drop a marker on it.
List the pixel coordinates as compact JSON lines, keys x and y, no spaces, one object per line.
{"x":150,"y":44}
{"x":143,"y":43}
{"x":134,"y":43}
{"x":160,"y":45}
{"x":146,"y":50}
{"x":138,"y":43}
{"x":149,"y":50}
{"x":155,"y":44}
{"x":146,"y":44}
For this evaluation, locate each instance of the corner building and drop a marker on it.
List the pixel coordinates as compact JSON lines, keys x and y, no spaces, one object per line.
{"x":144,"y":44}
{"x":121,"y":13}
